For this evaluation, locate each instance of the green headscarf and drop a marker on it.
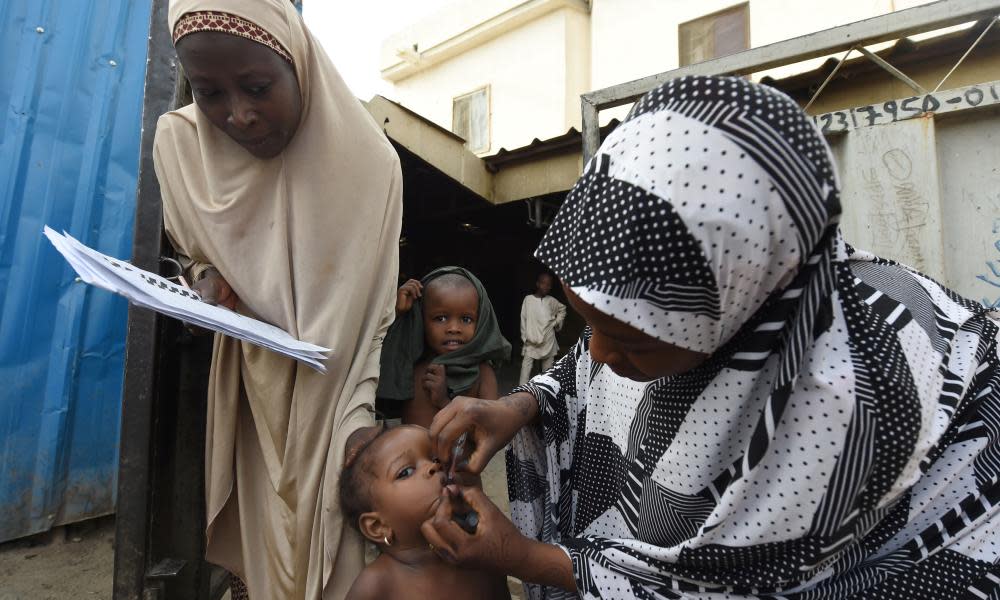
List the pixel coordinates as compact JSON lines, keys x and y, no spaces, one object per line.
{"x":404,"y":346}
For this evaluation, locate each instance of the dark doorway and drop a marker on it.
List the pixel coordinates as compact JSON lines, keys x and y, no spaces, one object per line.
{"x":446,"y":224}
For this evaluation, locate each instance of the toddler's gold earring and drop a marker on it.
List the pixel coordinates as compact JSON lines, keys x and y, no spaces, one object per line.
{"x":386,"y":540}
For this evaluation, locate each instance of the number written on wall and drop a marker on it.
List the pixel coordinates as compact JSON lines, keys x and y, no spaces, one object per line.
{"x":890,"y":111}
{"x":992,"y":275}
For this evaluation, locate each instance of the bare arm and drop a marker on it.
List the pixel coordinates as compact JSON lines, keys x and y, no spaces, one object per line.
{"x":524,"y":319}
{"x":489,"y":389}
{"x":546,"y":564}
{"x":558,"y":314}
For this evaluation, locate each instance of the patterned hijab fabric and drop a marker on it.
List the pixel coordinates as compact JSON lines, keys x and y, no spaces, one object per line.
{"x":221,"y":22}
{"x":843,"y":438}
{"x":309,"y":241}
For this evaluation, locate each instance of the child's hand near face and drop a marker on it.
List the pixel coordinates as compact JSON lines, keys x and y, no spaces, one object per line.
{"x":436,"y":384}
{"x":407,"y":294}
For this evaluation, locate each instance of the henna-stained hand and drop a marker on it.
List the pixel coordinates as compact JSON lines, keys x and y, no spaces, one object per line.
{"x":491,"y":424}
{"x":496,"y":544}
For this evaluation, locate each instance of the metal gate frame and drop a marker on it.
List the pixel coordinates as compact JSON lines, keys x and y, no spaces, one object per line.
{"x":160,"y":523}
{"x":892,"y":26}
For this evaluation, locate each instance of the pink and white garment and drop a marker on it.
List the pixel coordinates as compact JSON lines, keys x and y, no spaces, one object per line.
{"x":843,"y":439}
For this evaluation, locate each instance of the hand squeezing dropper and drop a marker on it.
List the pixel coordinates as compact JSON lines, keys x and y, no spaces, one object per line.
{"x":470,"y":520}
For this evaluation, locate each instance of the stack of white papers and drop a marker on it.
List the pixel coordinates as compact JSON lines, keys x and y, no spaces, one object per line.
{"x":149,"y":290}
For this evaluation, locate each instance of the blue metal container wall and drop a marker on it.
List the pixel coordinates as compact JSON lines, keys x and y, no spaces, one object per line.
{"x":71,"y":85}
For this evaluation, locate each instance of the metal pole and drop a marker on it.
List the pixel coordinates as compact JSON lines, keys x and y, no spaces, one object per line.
{"x":160,"y":542}
{"x":878,"y":60}
{"x":591,"y":129}
{"x":140,"y":350}
{"x":967,"y":52}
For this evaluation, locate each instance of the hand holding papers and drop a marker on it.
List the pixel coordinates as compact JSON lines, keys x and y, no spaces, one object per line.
{"x":149,"y":290}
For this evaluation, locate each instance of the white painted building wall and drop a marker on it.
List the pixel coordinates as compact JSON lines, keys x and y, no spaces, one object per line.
{"x":533,"y":73}
{"x":635,"y":38}
{"x":538,"y":56}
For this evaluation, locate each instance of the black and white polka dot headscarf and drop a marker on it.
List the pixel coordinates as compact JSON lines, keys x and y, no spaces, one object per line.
{"x":843,"y":440}
{"x":711,"y":195}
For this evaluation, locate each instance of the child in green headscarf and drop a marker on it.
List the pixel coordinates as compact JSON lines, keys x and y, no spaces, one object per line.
{"x":445,"y":343}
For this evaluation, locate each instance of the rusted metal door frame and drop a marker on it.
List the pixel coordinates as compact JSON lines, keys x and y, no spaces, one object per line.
{"x":159,"y":542}
{"x":140,"y":347}
{"x":160,"y":536}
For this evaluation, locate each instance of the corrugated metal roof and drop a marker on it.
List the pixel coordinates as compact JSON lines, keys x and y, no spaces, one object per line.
{"x":71,"y":84}
{"x":903,"y":53}
{"x":572,"y":140}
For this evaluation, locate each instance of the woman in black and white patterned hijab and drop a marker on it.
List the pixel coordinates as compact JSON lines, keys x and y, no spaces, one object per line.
{"x":757,"y":410}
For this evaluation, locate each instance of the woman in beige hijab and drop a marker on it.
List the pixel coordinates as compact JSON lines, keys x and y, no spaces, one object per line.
{"x":286,"y":197}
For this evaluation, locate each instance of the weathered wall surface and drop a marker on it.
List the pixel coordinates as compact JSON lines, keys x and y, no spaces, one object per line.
{"x":71,"y":86}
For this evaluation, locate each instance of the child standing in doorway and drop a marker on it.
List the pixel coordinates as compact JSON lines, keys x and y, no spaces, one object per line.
{"x":541,"y":316}
{"x":445,"y":342}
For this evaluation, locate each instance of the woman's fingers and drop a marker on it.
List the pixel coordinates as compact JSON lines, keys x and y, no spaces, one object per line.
{"x":228,"y":297}
{"x":478,"y":460}
{"x":441,"y":419}
{"x":447,"y":433}
{"x":207,"y":289}
{"x":438,"y":543}
{"x":213,"y":289}
{"x":496,"y":544}
{"x":472,"y":416}
{"x":477,"y":500}
{"x":439,"y":530}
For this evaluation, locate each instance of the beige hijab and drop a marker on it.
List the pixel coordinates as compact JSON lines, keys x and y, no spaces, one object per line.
{"x":309,"y":242}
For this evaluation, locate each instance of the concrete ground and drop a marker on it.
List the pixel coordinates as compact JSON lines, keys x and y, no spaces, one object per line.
{"x":75,"y":561}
